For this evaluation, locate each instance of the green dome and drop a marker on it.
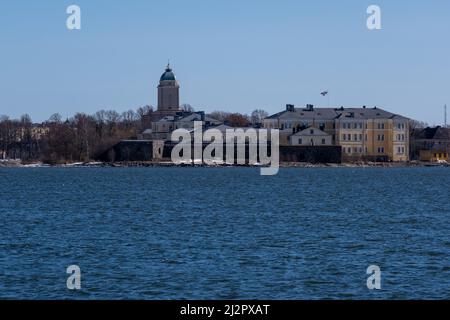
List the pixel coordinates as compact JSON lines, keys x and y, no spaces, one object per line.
{"x":168,"y":75}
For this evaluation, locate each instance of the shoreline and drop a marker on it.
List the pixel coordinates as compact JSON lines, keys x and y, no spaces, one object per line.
{"x":147,"y":164}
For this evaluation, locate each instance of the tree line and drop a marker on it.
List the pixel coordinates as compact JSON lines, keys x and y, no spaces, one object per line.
{"x":84,"y":137}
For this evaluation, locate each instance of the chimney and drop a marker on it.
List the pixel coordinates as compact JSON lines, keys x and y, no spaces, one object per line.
{"x":290,"y":107}
{"x":202,"y":115}
{"x":310,"y":107}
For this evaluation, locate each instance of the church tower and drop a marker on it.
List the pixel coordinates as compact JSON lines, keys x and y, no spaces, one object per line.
{"x":168,"y":94}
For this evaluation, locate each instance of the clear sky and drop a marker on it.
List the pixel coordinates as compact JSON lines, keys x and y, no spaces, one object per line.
{"x":234,"y":55}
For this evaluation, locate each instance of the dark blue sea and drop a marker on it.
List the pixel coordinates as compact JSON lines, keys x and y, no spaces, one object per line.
{"x":225,"y":233}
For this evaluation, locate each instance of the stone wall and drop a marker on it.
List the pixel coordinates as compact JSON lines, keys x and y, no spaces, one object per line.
{"x":134,"y":150}
{"x":147,"y":150}
{"x":311,"y":154}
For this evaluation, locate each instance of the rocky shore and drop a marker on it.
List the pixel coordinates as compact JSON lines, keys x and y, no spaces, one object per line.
{"x":19,"y":164}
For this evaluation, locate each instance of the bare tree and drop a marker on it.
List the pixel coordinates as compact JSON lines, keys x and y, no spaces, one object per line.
{"x":144,"y":111}
{"x":55,"y":118}
{"x":187,"y":107}
{"x":219,"y":115}
{"x":414,"y":124}
{"x":258,"y":116}
{"x":237,"y":120}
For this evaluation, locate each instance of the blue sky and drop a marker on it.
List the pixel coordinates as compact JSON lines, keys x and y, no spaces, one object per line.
{"x":234,"y":55}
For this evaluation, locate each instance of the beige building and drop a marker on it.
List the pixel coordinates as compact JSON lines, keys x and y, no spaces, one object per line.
{"x":163,"y":128}
{"x":363,"y":133}
{"x":311,"y":137}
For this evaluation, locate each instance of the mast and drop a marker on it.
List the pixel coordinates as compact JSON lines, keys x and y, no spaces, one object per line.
{"x":445,"y":116}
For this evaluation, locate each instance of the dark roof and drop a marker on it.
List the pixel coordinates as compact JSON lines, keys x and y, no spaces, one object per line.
{"x":336,"y":113}
{"x":436,"y":133}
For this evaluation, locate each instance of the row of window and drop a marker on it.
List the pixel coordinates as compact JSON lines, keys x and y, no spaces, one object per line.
{"x":360,"y":125}
{"x":441,"y":155}
{"x":345,"y":125}
{"x":300,"y":141}
{"x":350,"y":150}
{"x":359,"y":137}
{"x":354,"y":125}
{"x":290,"y":125}
{"x":355,"y":137}
{"x":359,"y":150}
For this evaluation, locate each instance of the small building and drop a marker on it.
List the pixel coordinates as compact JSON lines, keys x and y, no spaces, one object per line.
{"x":163,"y":128}
{"x":433,"y":155}
{"x":430,"y":144}
{"x":311,"y":137}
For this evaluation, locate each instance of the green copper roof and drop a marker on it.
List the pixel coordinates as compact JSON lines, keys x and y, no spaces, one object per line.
{"x":168,"y":75}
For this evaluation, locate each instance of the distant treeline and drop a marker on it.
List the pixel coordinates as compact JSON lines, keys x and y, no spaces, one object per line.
{"x":80,"y":138}
{"x":85,"y":137}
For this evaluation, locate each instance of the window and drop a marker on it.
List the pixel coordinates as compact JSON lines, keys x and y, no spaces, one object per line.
{"x":355,"y":136}
{"x":300,"y":141}
{"x":349,"y":137}
{"x":323,"y":141}
{"x":312,"y":131}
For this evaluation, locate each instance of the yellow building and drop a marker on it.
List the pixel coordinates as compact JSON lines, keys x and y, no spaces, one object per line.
{"x":433,"y":155}
{"x":363,"y":133}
